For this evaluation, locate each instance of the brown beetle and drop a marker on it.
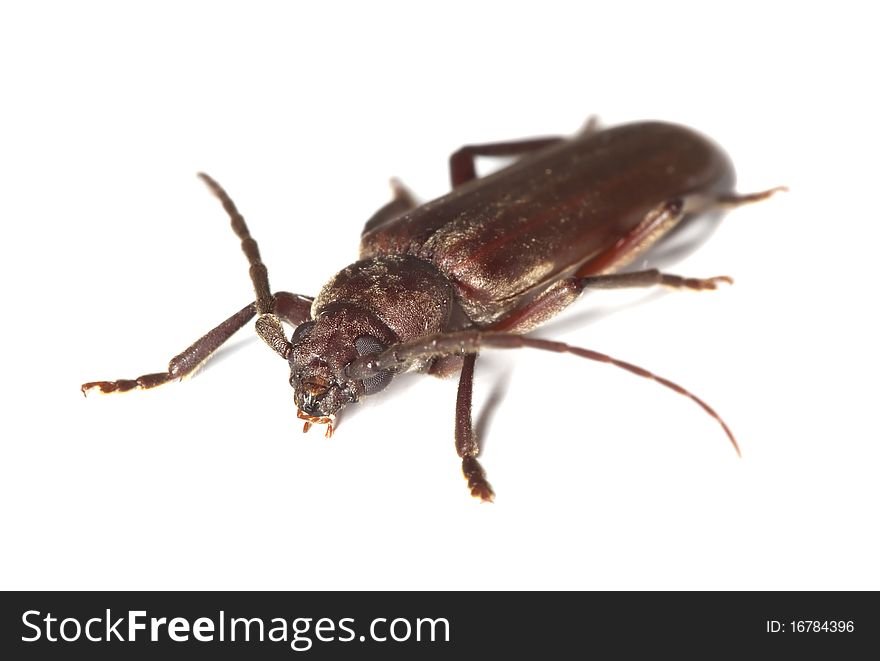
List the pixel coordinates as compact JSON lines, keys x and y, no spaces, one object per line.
{"x":479,"y":267}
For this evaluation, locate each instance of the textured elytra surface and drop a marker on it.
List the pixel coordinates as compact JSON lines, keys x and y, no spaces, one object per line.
{"x":407,"y":294}
{"x":505,"y":236}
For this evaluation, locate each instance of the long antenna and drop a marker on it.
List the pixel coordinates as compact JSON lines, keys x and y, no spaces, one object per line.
{"x":268,"y":325}
{"x":467,"y":342}
{"x":259,"y":273}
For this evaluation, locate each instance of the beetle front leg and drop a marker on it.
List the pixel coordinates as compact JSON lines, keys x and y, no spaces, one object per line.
{"x":291,"y":308}
{"x":465,"y":440}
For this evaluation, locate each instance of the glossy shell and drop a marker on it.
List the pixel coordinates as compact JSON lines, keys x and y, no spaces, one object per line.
{"x":500,"y":238}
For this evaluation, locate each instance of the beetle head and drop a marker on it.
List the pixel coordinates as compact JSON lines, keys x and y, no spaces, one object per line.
{"x":321,"y":350}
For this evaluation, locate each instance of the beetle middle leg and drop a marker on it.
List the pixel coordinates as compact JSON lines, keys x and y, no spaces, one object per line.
{"x":462,"y":168}
{"x":465,"y":440}
{"x":564,"y":292}
{"x":468,"y":343}
{"x":596,"y":273}
{"x":589,"y":275}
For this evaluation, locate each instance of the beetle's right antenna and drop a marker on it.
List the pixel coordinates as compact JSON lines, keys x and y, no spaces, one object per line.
{"x":268,"y":325}
{"x":258,"y":271}
{"x":466,"y":342}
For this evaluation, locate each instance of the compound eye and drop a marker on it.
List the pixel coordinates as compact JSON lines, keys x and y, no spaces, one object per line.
{"x":301,"y":332}
{"x":366,"y":345}
{"x":376,"y":382}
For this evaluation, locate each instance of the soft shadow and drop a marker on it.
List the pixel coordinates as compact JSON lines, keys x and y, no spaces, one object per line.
{"x":683,"y":240}
{"x":490,"y":406}
{"x":580,"y":319}
{"x":400,"y":382}
{"x":227,"y":350}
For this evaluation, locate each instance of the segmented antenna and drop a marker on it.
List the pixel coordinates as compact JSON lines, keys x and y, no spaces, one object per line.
{"x":469,"y":341}
{"x":258,"y":271}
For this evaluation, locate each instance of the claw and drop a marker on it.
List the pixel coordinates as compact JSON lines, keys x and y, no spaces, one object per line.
{"x":476,"y":478}
{"x":483,"y":491}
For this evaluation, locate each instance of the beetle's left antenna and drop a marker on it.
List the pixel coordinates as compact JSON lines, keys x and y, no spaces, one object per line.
{"x":268,"y":325}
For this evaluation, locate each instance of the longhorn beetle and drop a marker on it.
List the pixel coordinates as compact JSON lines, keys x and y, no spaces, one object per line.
{"x":480,"y":267}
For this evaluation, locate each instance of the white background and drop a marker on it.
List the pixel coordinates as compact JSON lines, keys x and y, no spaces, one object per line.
{"x":115,"y":258}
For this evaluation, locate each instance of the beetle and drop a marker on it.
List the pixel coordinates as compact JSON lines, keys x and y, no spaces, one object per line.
{"x":480,"y":267}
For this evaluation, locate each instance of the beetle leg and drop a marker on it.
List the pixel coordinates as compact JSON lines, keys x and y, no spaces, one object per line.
{"x":564,"y":292}
{"x":656,"y":224}
{"x":462,"y":164}
{"x":403,"y":201}
{"x":559,"y":295}
{"x":293,"y":309}
{"x":649,"y":278}
{"x":734,"y":199}
{"x":701,"y":202}
{"x":465,"y":440}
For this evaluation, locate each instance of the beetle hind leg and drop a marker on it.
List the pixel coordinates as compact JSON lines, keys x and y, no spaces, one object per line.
{"x":736,"y":199}
{"x":597,"y":272}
